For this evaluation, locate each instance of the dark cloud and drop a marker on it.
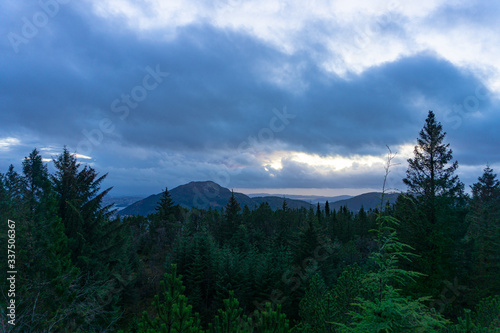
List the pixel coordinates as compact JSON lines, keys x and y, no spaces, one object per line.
{"x":220,"y":104}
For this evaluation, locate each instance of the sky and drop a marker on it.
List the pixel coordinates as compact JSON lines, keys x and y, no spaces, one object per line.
{"x":285,"y":97}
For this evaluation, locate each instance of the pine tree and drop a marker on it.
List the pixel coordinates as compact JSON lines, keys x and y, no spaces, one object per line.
{"x":432,"y":209}
{"x":231,"y":319}
{"x":484,"y":234}
{"x":46,"y":284}
{"x":164,"y":228}
{"x":429,"y":175}
{"x":319,"y":215}
{"x":98,"y":245}
{"x":315,"y":307}
{"x":284,"y":207}
{"x":345,"y":292}
{"x":173,"y":313}
{"x":165,"y":206}
{"x":327,"y":210}
{"x":231,"y":220}
{"x":269,"y":320}
{"x":382,"y":308}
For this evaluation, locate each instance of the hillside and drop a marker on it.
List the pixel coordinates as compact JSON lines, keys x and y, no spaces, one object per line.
{"x":368,"y":201}
{"x":209,"y":194}
{"x":204,"y":195}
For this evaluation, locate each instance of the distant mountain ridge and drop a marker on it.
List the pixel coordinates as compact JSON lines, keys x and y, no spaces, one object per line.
{"x":368,"y":201}
{"x":312,"y":199}
{"x":205,"y":194}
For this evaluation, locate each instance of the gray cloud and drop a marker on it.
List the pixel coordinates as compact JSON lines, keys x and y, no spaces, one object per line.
{"x":220,"y":92}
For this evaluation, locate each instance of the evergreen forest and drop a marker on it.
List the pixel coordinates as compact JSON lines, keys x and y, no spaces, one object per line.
{"x":428,"y":263}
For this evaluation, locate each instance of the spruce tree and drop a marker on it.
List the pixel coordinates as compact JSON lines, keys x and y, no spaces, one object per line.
{"x":430,"y":174}
{"x":230,"y":319}
{"x":165,"y":206}
{"x":173,"y":313}
{"x":97,"y":244}
{"x":231,"y":219}
{"x":382,"y":307}
{"x":315,"y":307}
{"x":327,"y":210}
{"x":46,"y":280}
{"x":484,"y":234}
{"x":163,"y":228}
{"x":319,"y":215}
{"x":430,"y":212}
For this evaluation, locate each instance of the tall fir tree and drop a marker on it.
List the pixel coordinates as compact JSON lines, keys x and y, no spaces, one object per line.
{"x":98,"y":244}
{"x":46,"y":275}
{"x":231,"y":220}
{"x":173,"y":313}
{"x":163,"y":228}
{"x":431,"y":211}
{"x":165,"y":206}
{"x":484,"y":234}
{"x":382,"y":306}
{"x":430,"y":174}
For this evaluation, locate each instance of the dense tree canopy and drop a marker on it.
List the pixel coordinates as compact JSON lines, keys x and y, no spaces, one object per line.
{"x":428,"y":264}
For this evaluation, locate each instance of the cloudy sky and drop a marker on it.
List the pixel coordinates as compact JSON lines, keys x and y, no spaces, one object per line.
{"x":256,"y":95}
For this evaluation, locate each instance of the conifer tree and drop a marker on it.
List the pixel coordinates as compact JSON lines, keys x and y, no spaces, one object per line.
{"x":319,"y":214}
{"x":382,"y":306}
{"x":345,"y":292}
{"x":431,"y":211}
{"x":46,"y":284}
{"x":315,"y":307}
{"x":165,"y":206}
{"x":163,"y":228}
{"x":97,"y":244}
{"x":173,"y":313}
{"x":269,"y":320}
{"x":327,"y":210}
{"x":230,"y":319}
{"x":430,"y":174}
{"x":231,"y":220}
{"x":484,"y":234}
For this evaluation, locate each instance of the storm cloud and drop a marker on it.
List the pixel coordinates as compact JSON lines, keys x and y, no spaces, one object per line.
{"x":247,"y":94}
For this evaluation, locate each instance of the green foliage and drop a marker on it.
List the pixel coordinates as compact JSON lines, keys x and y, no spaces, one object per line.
{"x":165,"y":206}
{"x":484,"y":234}
{"x":46,"y":281}
{"x":98,"y":245}
{"x":316,"y":307}
{"x":231,"y":220}
{"x":432,"y":212}
{"x":231,"y":319}
{"x":429,"y":174}
{"x":384,"y":309}
{"x":269,"y":320}
{"x":345,"y":292}
{"x":259,"y":270}
{"x":173,"y":314}
{"x":485,"y":319}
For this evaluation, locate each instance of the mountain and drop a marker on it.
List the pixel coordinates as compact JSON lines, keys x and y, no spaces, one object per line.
{"x":312,"y":199}
{"x":277,"y":202}
{"x":204,"y":195}
{"x":209,"y":194}
{"x":368,"y":201}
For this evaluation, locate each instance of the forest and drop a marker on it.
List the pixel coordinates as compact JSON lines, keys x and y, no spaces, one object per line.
{"x":428,"y":263}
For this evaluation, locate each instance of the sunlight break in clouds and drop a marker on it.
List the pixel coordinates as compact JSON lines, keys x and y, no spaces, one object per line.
{"x":7,"y":143}
{"x":320,"y":163}
{"x":330,"y":164}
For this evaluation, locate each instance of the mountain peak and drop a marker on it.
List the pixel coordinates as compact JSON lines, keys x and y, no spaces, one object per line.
{"x":205,"y":194}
